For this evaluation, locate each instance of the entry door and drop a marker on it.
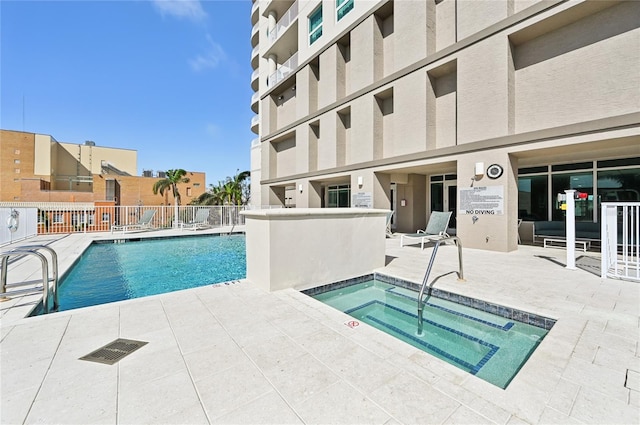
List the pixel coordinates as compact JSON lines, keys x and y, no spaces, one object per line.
{"x":451,"y":200}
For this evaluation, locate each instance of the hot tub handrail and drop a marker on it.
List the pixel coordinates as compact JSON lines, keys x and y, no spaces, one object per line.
{"x":425,"y":280}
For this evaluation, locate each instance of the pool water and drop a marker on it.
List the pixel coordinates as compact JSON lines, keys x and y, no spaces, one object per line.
{"x":108,"y":272}
{"x":488,"y":346}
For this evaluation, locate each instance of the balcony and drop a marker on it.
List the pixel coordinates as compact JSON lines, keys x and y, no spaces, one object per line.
{"x":255,"y":57}
{"x":283,"y":71}
{"x":255,"y":101}
{"x":255,"y":8}
{"x":255,"y":34}
{"x":283,"y":39}
{"x":255,"y":124}
{"x":255,"y":80}
{"x":284,"y":22}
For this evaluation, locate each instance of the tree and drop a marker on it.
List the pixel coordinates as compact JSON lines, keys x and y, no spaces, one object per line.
{"x":171,"y":181}
{"x":232,"y":191}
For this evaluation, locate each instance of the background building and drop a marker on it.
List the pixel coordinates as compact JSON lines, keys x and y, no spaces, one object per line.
{"x":36,"y":168}
{"x":489,"y":109}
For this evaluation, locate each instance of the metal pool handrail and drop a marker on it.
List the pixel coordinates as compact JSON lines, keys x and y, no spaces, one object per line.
{"x":425,"y":280}
{"x":32,"y":250}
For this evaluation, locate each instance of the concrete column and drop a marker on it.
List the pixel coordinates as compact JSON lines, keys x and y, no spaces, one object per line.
{"x":484,"y":229}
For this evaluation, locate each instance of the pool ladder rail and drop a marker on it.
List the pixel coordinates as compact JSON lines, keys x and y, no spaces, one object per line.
{"x":425,"y":280}
{"x":42,"y":285}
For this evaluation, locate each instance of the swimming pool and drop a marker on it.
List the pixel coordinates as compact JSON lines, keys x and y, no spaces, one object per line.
{"x":108,"y":272}
{"x":489,"y":346}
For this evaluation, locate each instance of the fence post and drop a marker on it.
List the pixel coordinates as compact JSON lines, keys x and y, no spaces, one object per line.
{"x":571,"y":229}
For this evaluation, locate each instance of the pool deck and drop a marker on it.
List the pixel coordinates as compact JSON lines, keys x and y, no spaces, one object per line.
{"x":234,"y":354}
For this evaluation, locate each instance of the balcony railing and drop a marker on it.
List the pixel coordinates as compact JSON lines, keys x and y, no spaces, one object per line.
{"x":289,"y":16}
{"x":283,"y":70}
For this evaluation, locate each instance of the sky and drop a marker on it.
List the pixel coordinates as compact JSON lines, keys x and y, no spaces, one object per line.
{"x":167,"y":78}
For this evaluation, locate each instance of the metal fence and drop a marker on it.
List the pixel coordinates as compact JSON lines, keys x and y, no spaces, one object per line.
{"x":620,"y":246}
{"x":67,"y":218}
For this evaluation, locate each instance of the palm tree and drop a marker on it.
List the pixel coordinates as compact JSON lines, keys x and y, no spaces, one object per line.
{"x":171,"y":181}
{"x":213,"y":196}
{"x":232,"y":191}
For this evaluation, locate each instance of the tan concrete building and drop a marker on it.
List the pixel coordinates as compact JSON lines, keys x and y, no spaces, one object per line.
{"x":37,"y":168}
{"x":489,"y":109}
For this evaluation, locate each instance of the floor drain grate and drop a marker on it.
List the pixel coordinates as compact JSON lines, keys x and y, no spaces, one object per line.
{"x":114,"y":351}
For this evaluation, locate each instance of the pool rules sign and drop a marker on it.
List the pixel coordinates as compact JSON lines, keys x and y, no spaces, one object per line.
{"x":482,"y":200}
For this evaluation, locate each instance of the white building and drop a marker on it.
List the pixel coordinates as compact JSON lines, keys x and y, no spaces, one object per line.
{"x":487,"y":108}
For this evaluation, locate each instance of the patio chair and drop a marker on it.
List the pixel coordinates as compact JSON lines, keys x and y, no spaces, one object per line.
{"x":388,"y":231}
{"x":436,"y":229}
{"x":143,"y":224}
{"x":200,"y":221}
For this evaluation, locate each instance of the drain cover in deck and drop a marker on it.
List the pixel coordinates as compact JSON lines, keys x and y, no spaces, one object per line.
{"x":114,"y":351}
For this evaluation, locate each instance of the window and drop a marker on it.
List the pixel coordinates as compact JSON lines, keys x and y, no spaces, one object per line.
{"x":343,"y":7}
{"x":189,"y":191}
{"x":58,"y":218}
{"x":339,"y":196}
{"x":16,"y":161}
{"x":533,"y":197}
{"x":315,"y":25}
{"x":580,"y":182}
{"x":106,"y":218}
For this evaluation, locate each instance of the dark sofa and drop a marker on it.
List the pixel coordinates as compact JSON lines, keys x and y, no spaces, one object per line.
{"x":556,"y":229}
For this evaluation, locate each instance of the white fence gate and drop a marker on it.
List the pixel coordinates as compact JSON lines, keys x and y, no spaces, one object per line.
{"x":17,"y":224}
{"x":620,"y":246}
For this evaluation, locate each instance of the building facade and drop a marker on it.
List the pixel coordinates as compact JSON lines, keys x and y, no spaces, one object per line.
{"x":37,"y":168}
{"x":489,"y":109}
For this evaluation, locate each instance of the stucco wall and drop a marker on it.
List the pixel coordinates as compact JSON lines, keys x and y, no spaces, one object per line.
{"x":326,"y":245}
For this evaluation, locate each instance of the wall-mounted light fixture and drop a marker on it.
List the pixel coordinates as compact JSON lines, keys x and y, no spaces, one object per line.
{"x":280,"y":97}
{"x":300,"y":188}
{"x":293,"y":88}
{"x":360,"y":181}
{"x":478,"y":171}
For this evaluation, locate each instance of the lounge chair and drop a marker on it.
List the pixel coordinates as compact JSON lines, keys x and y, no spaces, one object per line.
{"x":143,"y":224}
{"x":436,"y":229}
{"x":200,"y":221}
{"x":388,"y":231}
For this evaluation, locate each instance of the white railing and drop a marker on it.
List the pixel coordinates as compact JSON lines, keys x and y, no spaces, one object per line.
{"x":83,"y":218}
{"x":620,"y":243}
{"x":289,"y":16}
{"x":283,"y":70}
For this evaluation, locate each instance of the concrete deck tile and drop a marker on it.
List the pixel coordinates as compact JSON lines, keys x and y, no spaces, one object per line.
{"x":610,"y":381}
{"x":413,"y":401}
{"x":214,"y":358}
{"x":227,"y":390}
{"x":146,"y":365}
{"x":300,"y":378}
{"x":551,"y":416}
{"x":15,"y":404}
{"x":593,"y":407}
{"x":167,"y":400}
{"x":633,"y":380}
{"x":563,"y":396}
{"x":356,"y":365}
{"x":280,"y":350}
{"x":268,"y":409}
{"x":463,"y":415}
{"x":481,"y":397}
{"x":341,"y":404}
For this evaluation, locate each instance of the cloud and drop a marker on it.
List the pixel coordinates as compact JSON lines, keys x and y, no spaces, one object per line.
{"x":182,"y":9}
{"x":210,"y":59}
